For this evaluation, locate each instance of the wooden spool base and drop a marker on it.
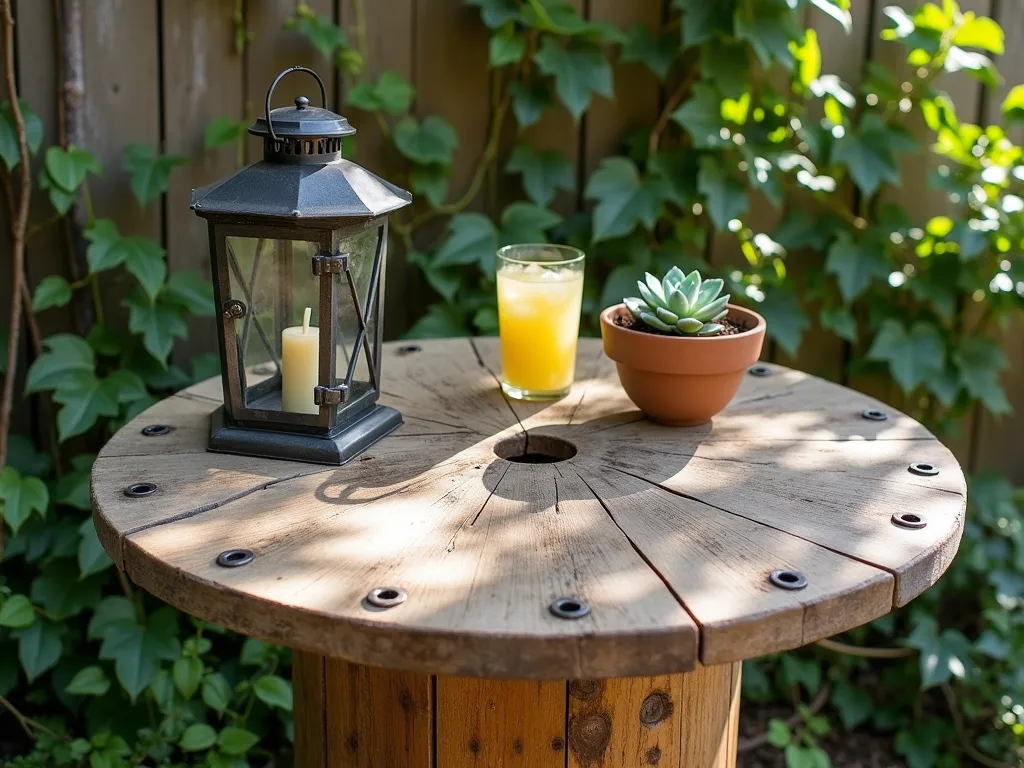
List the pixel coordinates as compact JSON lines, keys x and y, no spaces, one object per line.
{"x":353,"y":716}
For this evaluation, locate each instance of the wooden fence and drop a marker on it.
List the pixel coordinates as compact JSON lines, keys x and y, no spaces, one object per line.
{"x":157,"y":71}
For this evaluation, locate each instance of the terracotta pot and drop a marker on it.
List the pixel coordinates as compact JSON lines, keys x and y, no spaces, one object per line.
{"x":682,"y":380}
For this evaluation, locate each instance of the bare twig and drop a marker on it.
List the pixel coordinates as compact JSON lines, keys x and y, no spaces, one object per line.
{"x":964,"y":736}
{"x":27,"y":723}
{"x":866,"y":653}
{"x":816,"y":705}
{"x":18,"y":226}
{"x":670,"y":107}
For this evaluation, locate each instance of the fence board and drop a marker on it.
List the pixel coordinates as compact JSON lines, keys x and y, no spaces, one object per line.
{"x":389,"y":46}
{"x":202,"y":79}
{"x":997,"y":443}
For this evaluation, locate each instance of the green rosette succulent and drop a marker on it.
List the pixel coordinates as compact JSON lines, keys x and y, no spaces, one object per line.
{"x":681,"y":304}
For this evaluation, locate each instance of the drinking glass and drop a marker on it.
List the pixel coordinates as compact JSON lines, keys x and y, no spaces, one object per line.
{"x":540,"y":294}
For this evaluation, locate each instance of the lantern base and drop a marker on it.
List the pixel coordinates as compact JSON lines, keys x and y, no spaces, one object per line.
{"x":291,"y":446}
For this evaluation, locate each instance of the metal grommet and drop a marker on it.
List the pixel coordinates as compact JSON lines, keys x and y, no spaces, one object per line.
{"x":760,"y":370}
{"x":386,"y":597}
{"x":233,"y":558}
{"x":156,"y":430}
{"x":570,"y":608}
{"x":874,"y":414}
{"x":138,"y":490}
{"x":923,"y":468}
{"x":908,"y":520}
{"x":787,"y":579}
{"x":408,"y":349}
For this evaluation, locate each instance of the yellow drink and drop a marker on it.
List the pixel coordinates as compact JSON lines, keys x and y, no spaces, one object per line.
{"x":539,"y":321}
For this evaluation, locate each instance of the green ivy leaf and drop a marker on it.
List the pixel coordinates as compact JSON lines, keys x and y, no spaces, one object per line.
{"x":579,"y":69}
{"x":441,"y":321}
{"x":841,"y":322}
{"x":10,"y":152}
{"x":52,"y":291}
{"x":432,"y":141}
{"x":942,"y":656}
{"x":544,"y":172}
{"x":216,"y":692}
{"x":867,"y":155}
{"x":150,"y":173}
{"x":391,"y":93}
{"x":726,"y":196}
{"x":529,"y":100}
{"x":779,"y":735}
{"x":980,"y":32}
{"x":920,"y":744}
{"x":472,"y":239}
{"x":190,"y":290}
{"x":769,"y":27}
{"x":1013,"y":105}
{"x":786,"y":320}
{"x":431,"y":181}
{"x":158,"y":324}
{"x":16,"y":611}
{"x":506,"y":47}
{"x":144,"y":259}
{"x":855,"y":264}
{"x":187,"y":674}
{"x":39,"y":647}
{"x":806,"y":757}
{"x":496,"y":13}
{"x":981,"y":361}
{"x":85,"y":399}
{"x":60,"y":591}
{"x":641,"y":47}
{"x":67,"y":169}
{"x":701,"y":115}
{"x":624,"y":199}
{"x":274,"y":691}
{"x":726,"y":63}
{"x":137,"y":651}
{"x":197,"y":737}
{"x":21,"y":496}
{"x":320,"y":30}
{"x":108,"y":612}
{"x":703,"y":20}
{"x":801,"y":671}
{"x":526,"y":223}
{"x":67,"y":355}
{"x":222,"y":131}
{"x":103,"y":252}
{"x":808,"y":56}
{"x":853,"y":703}
{"x":977,"y":65}
{"x":912,"y":355}
{"x":92,"y":558}
{"x":236,"y":741}
{"x":89,"y":681}
{"x":678,"y":169}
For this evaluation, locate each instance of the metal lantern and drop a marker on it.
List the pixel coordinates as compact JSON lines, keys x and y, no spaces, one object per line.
{"x":299,"y":245}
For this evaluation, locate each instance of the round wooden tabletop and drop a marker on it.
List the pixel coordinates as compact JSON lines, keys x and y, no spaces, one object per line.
{"x":670,"y":536}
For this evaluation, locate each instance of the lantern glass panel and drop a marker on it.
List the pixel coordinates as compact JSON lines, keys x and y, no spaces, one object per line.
{"x":362,"y":251}
{"x":273,"y":279}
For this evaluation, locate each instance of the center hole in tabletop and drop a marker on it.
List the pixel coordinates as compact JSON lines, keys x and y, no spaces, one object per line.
{"x":534,"y":449}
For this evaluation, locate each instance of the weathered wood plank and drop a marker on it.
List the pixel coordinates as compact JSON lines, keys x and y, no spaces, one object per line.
{"x":498,"y":723}
{"x":378,"y":717}
{"x":202,"y":80}
{"x":310,"y":688}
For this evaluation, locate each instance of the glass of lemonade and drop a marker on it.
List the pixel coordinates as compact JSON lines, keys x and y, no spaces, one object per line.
{"x":540,"y":295}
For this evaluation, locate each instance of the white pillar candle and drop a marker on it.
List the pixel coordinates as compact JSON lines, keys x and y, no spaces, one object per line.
{"x":300,"y":366}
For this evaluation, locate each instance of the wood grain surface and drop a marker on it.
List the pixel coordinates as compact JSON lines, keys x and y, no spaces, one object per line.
{"x":669,"y":535}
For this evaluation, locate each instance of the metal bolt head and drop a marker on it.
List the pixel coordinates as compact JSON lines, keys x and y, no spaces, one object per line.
{"x":138,"y":490}
{"x":386,"y":597}
{"x":569,"y":608}
{"x":234,"y":558}
{"x":234,"y":309}
{"x":784,"y":579}
{"x":923,"y":468}
{"x":760,"y":371}
{"x":874,"y":414}
{"x":156,"y":430}
{"x":908,"y":520}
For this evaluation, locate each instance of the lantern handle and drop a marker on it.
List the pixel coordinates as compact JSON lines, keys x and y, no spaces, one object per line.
{"x":266,"y":106}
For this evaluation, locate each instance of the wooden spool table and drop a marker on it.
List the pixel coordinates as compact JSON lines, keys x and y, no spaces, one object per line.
{"x":669,"y":536}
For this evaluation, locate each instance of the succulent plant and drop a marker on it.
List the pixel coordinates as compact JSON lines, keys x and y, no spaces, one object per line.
{"x":679,"y":303}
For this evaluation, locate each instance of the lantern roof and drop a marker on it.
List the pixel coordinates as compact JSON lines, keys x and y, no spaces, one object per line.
{"x":302,"y":121}
{"x":336,"y":190}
